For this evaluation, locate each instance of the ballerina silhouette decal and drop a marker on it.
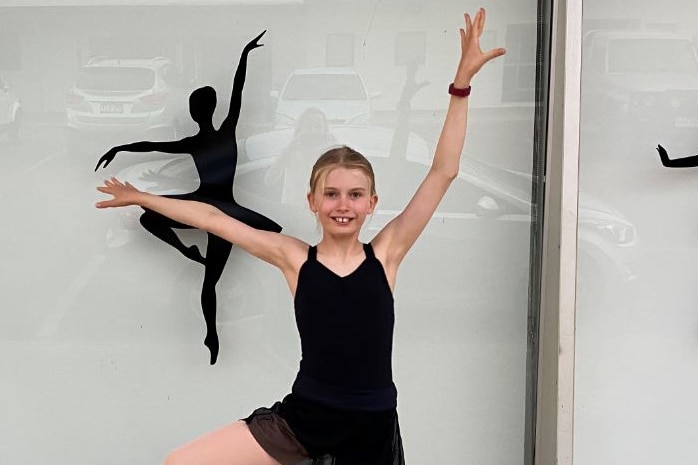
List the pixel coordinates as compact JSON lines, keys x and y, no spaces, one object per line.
{"x":215,"y":156}
{"x":685,"y":162}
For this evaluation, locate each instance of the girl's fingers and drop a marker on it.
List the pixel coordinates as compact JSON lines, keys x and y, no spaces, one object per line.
{"x":481,"y":25}
{"x":494,"y":53}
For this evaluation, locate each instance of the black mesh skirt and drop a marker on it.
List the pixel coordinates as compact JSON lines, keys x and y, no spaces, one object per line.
{"x":299,"y":430}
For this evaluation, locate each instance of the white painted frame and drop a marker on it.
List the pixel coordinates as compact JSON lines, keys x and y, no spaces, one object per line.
{"x":554,"y":443}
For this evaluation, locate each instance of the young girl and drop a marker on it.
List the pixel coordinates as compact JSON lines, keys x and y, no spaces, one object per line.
{"x":342,"y":406}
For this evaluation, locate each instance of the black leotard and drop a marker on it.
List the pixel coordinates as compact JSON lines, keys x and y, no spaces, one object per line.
{"x":346,"y":331}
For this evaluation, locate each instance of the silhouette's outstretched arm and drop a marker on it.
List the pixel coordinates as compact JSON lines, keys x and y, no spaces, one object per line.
{"x":685,"y":162}
{"x":231,"y":121}
{"x":178,"y":146}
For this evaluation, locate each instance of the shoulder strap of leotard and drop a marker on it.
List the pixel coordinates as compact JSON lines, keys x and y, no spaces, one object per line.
{"x":368,"y":250}
{"x":312,"y":253}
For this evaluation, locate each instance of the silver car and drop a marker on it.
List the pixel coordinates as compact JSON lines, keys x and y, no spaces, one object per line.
{"x":115,"y":96}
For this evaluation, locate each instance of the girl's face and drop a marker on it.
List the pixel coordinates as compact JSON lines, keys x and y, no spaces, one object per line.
{"x":342,"y":201}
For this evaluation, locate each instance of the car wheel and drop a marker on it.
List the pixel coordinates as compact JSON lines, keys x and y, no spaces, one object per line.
{"x":602,"y":293}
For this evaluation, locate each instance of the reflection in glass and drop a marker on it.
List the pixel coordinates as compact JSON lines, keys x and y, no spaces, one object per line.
{"x":635,"y":336}
{"x":648,"y":55}
{"x":115,"y":78}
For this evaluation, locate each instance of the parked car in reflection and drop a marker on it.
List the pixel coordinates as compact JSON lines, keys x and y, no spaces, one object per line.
{"x":119,"y":95}
{"x":478,"y":241}
{"x":642,"y":77}
{"x":10,"y":112}
{"x":340,"y":93}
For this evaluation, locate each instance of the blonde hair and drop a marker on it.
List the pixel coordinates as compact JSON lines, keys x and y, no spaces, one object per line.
{"x":341,"y":157}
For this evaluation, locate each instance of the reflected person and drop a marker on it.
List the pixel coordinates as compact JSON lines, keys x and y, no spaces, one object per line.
{"x":311,"y":137}
{"x":215,"y":156}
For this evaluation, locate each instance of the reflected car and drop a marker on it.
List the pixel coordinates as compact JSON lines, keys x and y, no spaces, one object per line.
{"x":10,"y":112}
{"x":340,"y":93}
{"x":642,"y":77}
{"x":119,"y":95}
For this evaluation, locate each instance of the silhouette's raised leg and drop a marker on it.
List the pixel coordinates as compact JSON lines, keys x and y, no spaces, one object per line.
{"x":217,"y":251}
{"x":161,"y":227}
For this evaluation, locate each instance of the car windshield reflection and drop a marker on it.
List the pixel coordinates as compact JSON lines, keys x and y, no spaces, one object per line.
{"x":324,"y":87}
{"x":113,"y":78}
{"x":651,"y":55}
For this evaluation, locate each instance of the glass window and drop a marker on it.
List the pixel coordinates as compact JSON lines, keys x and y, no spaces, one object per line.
{"x":635,"y":317}
{"x":102,"y":328}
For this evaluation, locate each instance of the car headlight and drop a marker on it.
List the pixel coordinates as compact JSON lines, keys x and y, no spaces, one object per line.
{"x":618,"y":231}
{"x":621,"y":234}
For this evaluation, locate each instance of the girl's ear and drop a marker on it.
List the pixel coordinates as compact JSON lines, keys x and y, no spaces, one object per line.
{"x":372,"y":204}
{"x":311,"y":202}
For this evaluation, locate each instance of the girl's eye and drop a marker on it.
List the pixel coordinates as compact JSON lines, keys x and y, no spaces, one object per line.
{"x":356,"y":195}
{"x":330,"y":194}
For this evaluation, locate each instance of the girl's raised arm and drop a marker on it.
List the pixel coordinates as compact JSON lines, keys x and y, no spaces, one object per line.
{"x":271,"y":247}
{"x":398,"y":236}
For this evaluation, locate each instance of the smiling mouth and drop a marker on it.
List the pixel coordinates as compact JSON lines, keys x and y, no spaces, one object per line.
{"x":341,"y":219}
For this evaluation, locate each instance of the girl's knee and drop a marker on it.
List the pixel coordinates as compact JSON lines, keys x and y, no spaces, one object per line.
{"x":182,"y":455}
{"x":174,"y":458}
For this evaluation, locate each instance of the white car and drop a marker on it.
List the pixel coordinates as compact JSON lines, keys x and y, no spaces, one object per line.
{"x":115,"y":95}
{"x":10,"y":112}
{"x":340,"y":93}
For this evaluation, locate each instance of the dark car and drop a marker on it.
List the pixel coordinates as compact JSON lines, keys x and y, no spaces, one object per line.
{"x":641,"y":77}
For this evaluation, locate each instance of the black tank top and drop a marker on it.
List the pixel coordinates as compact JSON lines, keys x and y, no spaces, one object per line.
{"x":346,"y":331}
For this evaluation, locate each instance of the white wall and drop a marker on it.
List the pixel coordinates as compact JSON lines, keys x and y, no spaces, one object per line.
{"x":101,"y":352}
{"x":637,"y":330}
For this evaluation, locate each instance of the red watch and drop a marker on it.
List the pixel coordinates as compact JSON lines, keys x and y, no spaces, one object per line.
{"x":453,"y":90}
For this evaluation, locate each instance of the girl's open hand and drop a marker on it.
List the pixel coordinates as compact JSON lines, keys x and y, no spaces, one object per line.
{"x":124,"y":194}
{"x":472,"y":57}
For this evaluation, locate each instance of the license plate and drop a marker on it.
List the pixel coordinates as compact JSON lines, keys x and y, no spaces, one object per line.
{"x":684,"y":122}
{"x":111,"y":107}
